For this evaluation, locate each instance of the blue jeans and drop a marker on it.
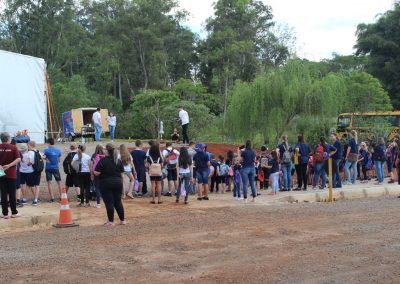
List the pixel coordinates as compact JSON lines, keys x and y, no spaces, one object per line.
{"x":287,"y":176}
{"x":379,"y":165}
{"x":97,"y":131}
{"x":347,"y":167}
{"x":186,"y":179}
{"x":336,"y":176}
{"x":248,"y":175}
{"x":112,"y":131}
{"x":236,"y":189}
{"x":319,"y":170}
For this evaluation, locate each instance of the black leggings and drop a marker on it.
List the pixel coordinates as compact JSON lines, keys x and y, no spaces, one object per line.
{"x":111,"y":192}
{"x":7,"y":187}
{"x":185,"y":133}
{"x":302,"y":177}
{"x":84,"y":182}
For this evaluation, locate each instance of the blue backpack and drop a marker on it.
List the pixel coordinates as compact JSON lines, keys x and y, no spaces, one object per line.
{"x":223,"y":170}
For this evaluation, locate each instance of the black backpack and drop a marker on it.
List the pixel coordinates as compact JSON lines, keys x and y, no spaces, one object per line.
{"x":38,"y":164}
{"x":67,"y":164}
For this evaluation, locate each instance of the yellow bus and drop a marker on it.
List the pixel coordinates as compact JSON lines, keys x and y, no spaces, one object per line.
{"x":369,"y":125}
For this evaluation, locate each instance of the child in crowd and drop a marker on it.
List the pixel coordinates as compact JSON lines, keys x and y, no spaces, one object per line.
{"x":99,"y":153}
{"x":129,"y":170}
{"x":81,"y":162}
{"x":237,"y":178}
{"x":223,"y":173}
{"x":71,"y":179}
{"x":175,"y":135}
{"x":365,"y":158}
{"x":274,"y":172}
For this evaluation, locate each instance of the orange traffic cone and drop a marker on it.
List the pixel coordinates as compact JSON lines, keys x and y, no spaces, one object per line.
{"x":65,"y":212}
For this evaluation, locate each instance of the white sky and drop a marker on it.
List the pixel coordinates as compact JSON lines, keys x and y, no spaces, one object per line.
{"x":320,"y":26}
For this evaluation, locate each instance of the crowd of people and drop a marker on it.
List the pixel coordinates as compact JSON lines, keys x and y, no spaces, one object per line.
{"x":188,"y":170}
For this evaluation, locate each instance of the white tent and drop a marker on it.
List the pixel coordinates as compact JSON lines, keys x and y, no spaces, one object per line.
{"x":23,"y":101}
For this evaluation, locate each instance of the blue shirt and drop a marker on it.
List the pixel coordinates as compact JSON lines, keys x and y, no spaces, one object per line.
{"x":201,"y":160}
{"x":138,"y":158}
{"x":339,"y":150}
{"x":364,"y":155}
{"x":304,"y":151}
{"x":52,"y":158}
{"x":248,"y":156}
{"x":353,"y":146}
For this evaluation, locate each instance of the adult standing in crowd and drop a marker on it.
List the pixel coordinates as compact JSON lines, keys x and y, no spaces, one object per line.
{"x":52,"y":155}
{"x":336,"y":158}
{"x":9,"y":158}
{"x":170,"y":157}
{"x":380,"y":159}
{"x":351,"y":158}
{"x":155,"y":162}
{"x":323,"y":151}
{"x":303,"y":150}
{"x":202,"y":163}
{"x":71,"y":179}
{"x":248,"y":172}
{"x":97,"y":124}
{"x":184,"y":119}
{"x":112,"y":123}
{"x":37,"y":166}
{"x":139,"y":157}
{"x":82,"y":161}
{"x":285,"y":152}
{"x":110,"y":172}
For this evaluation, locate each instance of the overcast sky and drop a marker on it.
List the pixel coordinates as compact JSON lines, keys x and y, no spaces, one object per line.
{"x":320,"y":26}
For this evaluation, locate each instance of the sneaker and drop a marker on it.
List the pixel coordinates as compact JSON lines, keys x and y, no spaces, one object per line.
{"x":347,"y":183}
{"x":139,"y":194}
{"x":19,"y":204}
{"x":241,"y":198}
{"x":206,"y":198}
{"x":130,"y":195}
{"x":6,"y":217}
{"x":168,"y":194}
{"x":97,"y":205}
{"x":24,"y":201}
{"x":236,"y":198}
{"x":87,"y":205}
{"x":15,"y":215}
{"x":253,"y":200}
{"x":122,"y":222}
{"x":51,"y":200}
{"x":109,"y":224}
{"x":199,"y":198}
{"x":35,"y":203}
{"x":81,"y":205}
{"x":245,"y":200}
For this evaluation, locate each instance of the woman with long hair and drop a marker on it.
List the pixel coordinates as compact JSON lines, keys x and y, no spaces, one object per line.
{"x":351,"y":158}
{"x":185,"y":173}
{"x":110,"y":172}
{"x":129,"y":170}
{"x":83,"y":174}
{"x":155,"y":162}
{"x":96,"y":157}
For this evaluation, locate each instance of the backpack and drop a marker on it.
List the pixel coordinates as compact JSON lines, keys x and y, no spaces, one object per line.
{"x":286,"y":157}
{"x":155,"y":168}
{"x":319,"y":156}
{"x":38,"y":164}
{"x":230,"y":172}
{"x":96,"y":160}
{"x":223,"y":170}
{"x":172,"y":159}
{"x":76,"y":164}
{"x":264,"y":162}
{"x":238,"y":177}
{"x":68,"y":170}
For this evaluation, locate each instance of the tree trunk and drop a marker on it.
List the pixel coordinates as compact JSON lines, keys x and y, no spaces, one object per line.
{"x":142,"y":61}
{"x":119,"y":87}
{"x":114,"y":86}
{"x":225,"y":98}
{"x":129,"y":85}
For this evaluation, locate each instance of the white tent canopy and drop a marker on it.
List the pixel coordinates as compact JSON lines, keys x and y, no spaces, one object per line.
{"x":23,"y":103}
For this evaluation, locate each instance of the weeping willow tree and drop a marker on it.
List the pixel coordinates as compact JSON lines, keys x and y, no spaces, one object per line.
{"x":269,"y":105}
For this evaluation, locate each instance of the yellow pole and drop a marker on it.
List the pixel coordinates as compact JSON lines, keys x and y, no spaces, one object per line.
{"x":330,"y":198}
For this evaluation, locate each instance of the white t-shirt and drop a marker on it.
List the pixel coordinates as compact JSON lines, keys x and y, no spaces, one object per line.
{"x":184,"y":117}
{"x":85,"y":162}
{"x":27,"y":157}
{"x":97,"y":118}
{"x":165,"y":153}
{"x":112,"y":120}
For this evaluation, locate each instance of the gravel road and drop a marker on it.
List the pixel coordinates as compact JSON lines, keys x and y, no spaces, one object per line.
{"x":346,"y":242}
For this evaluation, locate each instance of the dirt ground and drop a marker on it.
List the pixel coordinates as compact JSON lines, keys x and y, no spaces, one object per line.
{"x":345,"y":242}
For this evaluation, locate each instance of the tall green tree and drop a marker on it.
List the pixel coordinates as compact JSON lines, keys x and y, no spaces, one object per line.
{"x":381,"y":42}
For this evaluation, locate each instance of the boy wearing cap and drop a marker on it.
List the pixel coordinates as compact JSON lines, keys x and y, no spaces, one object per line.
{"x":202,"y":163}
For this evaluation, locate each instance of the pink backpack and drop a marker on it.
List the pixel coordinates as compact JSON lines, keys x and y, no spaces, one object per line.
{"x":97,"y":159}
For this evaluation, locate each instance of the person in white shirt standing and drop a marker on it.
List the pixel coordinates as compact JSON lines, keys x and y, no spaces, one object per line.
{"x":97,"y":125}
{"x":112,"y":123}
{"x":184,"y":119}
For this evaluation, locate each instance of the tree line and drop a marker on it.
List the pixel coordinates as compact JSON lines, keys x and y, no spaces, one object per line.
{"x":136,"y":58}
